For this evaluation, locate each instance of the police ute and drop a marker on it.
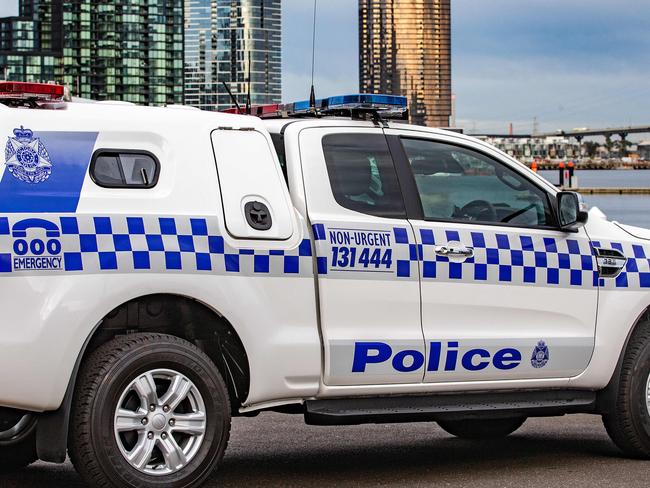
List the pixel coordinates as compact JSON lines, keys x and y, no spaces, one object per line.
{"x":163,"y":270}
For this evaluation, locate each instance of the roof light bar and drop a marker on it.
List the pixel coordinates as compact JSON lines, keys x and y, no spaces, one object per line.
{"x":32,"y":95}
{"x":23,"y":90}
{"x":264,"y":111}
{"x":384,"y":106}
{"x":365,"y":101}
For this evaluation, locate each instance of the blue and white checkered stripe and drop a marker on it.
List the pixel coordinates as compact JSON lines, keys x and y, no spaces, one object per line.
{"x":636,"y":273}
{"x":499,"y":257}
{"x":93,"y":244}
{"x":502,"y":258}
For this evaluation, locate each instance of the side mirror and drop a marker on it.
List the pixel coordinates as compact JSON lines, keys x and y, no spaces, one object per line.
{"x":571,"y":210}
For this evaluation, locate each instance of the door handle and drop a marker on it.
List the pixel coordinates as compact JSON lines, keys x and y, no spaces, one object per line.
{"x":454,"y":251}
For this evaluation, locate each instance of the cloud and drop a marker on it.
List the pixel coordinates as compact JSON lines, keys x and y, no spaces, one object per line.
{"x":579,"y":63}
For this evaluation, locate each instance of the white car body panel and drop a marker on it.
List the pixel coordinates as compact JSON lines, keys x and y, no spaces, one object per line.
{"x":298,"y":328}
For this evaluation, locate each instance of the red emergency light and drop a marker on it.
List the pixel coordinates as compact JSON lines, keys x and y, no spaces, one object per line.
{"x":263,"y":111}
{"x":23,"y":90}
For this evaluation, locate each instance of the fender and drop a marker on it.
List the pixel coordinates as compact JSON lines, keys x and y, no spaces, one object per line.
{"x":226,"y":351}
{"x":606,"y":400}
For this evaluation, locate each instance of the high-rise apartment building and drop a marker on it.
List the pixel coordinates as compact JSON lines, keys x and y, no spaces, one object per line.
{"x":30,"y":46}
{"x":232,"y":41}
{"x":130,"y":50}
{"x":405,"y":49}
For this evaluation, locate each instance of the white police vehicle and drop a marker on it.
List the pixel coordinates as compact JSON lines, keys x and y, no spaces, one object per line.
{"x":163,"y":269}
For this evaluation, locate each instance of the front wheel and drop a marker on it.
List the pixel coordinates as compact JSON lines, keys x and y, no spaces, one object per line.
{"x":482,"y":428}
{"x":149,"y":410}
{"x":628,"y":420}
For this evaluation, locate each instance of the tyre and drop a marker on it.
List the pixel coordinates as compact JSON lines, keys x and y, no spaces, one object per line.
{"x":482,"y":428}
{"x":628,"y":420}
{"x":18,"y":443}
{"x":149,"y":410}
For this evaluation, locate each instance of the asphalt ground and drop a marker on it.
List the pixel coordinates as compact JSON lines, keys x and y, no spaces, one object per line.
{"x":280,"y":450}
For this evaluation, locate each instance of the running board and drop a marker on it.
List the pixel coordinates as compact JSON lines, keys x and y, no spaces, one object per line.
{"x":379,"y":410}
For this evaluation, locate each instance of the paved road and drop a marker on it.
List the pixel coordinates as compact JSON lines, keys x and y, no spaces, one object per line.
{"x":279,"y":450}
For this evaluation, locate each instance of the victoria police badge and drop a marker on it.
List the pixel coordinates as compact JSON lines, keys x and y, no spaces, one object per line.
{"x":540,"y":355}
{"x":26,"y":157}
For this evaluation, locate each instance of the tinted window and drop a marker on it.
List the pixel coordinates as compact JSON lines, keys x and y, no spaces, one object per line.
{"x":459,"y":184}
{"x":115,"y":169}
{"x":278,"y":144}
{"x":362,"y":174}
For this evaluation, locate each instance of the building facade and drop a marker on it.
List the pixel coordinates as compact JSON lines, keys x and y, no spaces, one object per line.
{"x":405,"y":49}
{"x":129,"y":50}
{"x":529,"y":148}
{"x":30,"y":48}
{"x":237,"y":42}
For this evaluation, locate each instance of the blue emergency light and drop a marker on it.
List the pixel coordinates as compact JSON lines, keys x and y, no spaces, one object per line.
{"x":382,"y":106}
{"x":387,"y":106}
{"x":366,"y":101}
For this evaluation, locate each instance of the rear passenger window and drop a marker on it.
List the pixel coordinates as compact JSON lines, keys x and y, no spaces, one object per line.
{"x":116,"y":169}
{"x":362,"y":174}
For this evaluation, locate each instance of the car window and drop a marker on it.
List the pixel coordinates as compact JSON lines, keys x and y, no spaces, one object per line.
{"x":278,"y":144}
{"x":459,"y":184}
{"x":113,"y":169}
{"x":362,"y":175}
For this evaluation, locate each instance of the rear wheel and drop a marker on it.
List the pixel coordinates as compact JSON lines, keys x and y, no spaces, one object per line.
{"x":628,"y":423}
{"x":17,"y":441}
{"x":149,"y":410}
{"x":482,"y":428}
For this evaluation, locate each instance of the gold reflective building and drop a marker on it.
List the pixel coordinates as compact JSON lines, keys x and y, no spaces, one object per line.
{"x":405,"y":49}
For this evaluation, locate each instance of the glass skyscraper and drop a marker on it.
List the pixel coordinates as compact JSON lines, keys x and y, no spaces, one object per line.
{"x":30,"y":48}
{"x":130,"y":50}
{"x":405,"y":49}
{"x":225,"y":40}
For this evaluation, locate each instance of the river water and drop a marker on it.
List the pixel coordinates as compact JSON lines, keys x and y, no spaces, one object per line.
{"x":627,"y":209}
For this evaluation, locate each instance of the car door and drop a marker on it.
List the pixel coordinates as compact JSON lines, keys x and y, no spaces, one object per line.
{"x":505,"y":294}
{"x":368,"y":286}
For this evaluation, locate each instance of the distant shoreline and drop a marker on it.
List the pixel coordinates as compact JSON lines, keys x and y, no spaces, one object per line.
{"x":607,"y":164}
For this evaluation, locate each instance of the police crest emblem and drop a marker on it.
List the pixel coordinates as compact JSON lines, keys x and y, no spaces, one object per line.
{"x":26,"y":157}
{"x":540,"y":355}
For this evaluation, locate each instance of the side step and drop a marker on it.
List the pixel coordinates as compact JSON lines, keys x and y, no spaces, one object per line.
{"x":378,"y":410}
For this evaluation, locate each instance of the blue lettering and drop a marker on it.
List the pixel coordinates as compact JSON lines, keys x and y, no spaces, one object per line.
{"x":36,"y":262}
{"x":339,"y":237}
{"x":361,"y":239}
{"x":362,"y":355}
{"x":21,"y":247}
{"x":507,"y":359}
{"x":468,"y":357}
{"x":416,"y":363}
{"x":37,"y":247}
{"x":452,"y":356}
{"x":53,"y":246}
{"x":434,"y":356}
{"x":409,"y":360}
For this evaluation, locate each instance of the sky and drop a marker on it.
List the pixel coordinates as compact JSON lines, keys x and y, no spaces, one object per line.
{"x":569,"y":63}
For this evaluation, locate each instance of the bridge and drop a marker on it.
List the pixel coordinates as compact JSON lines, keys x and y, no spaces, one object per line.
{"x":579,"y":134}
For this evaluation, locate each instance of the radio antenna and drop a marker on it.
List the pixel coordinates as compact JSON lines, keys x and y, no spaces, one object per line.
{"x":312,"y":93}
{"x":232,"y":97}
{"x":249,"y":108}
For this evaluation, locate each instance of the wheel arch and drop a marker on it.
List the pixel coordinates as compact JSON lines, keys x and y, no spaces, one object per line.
{"x":607,"y":396}
{"x":174,"y":314}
